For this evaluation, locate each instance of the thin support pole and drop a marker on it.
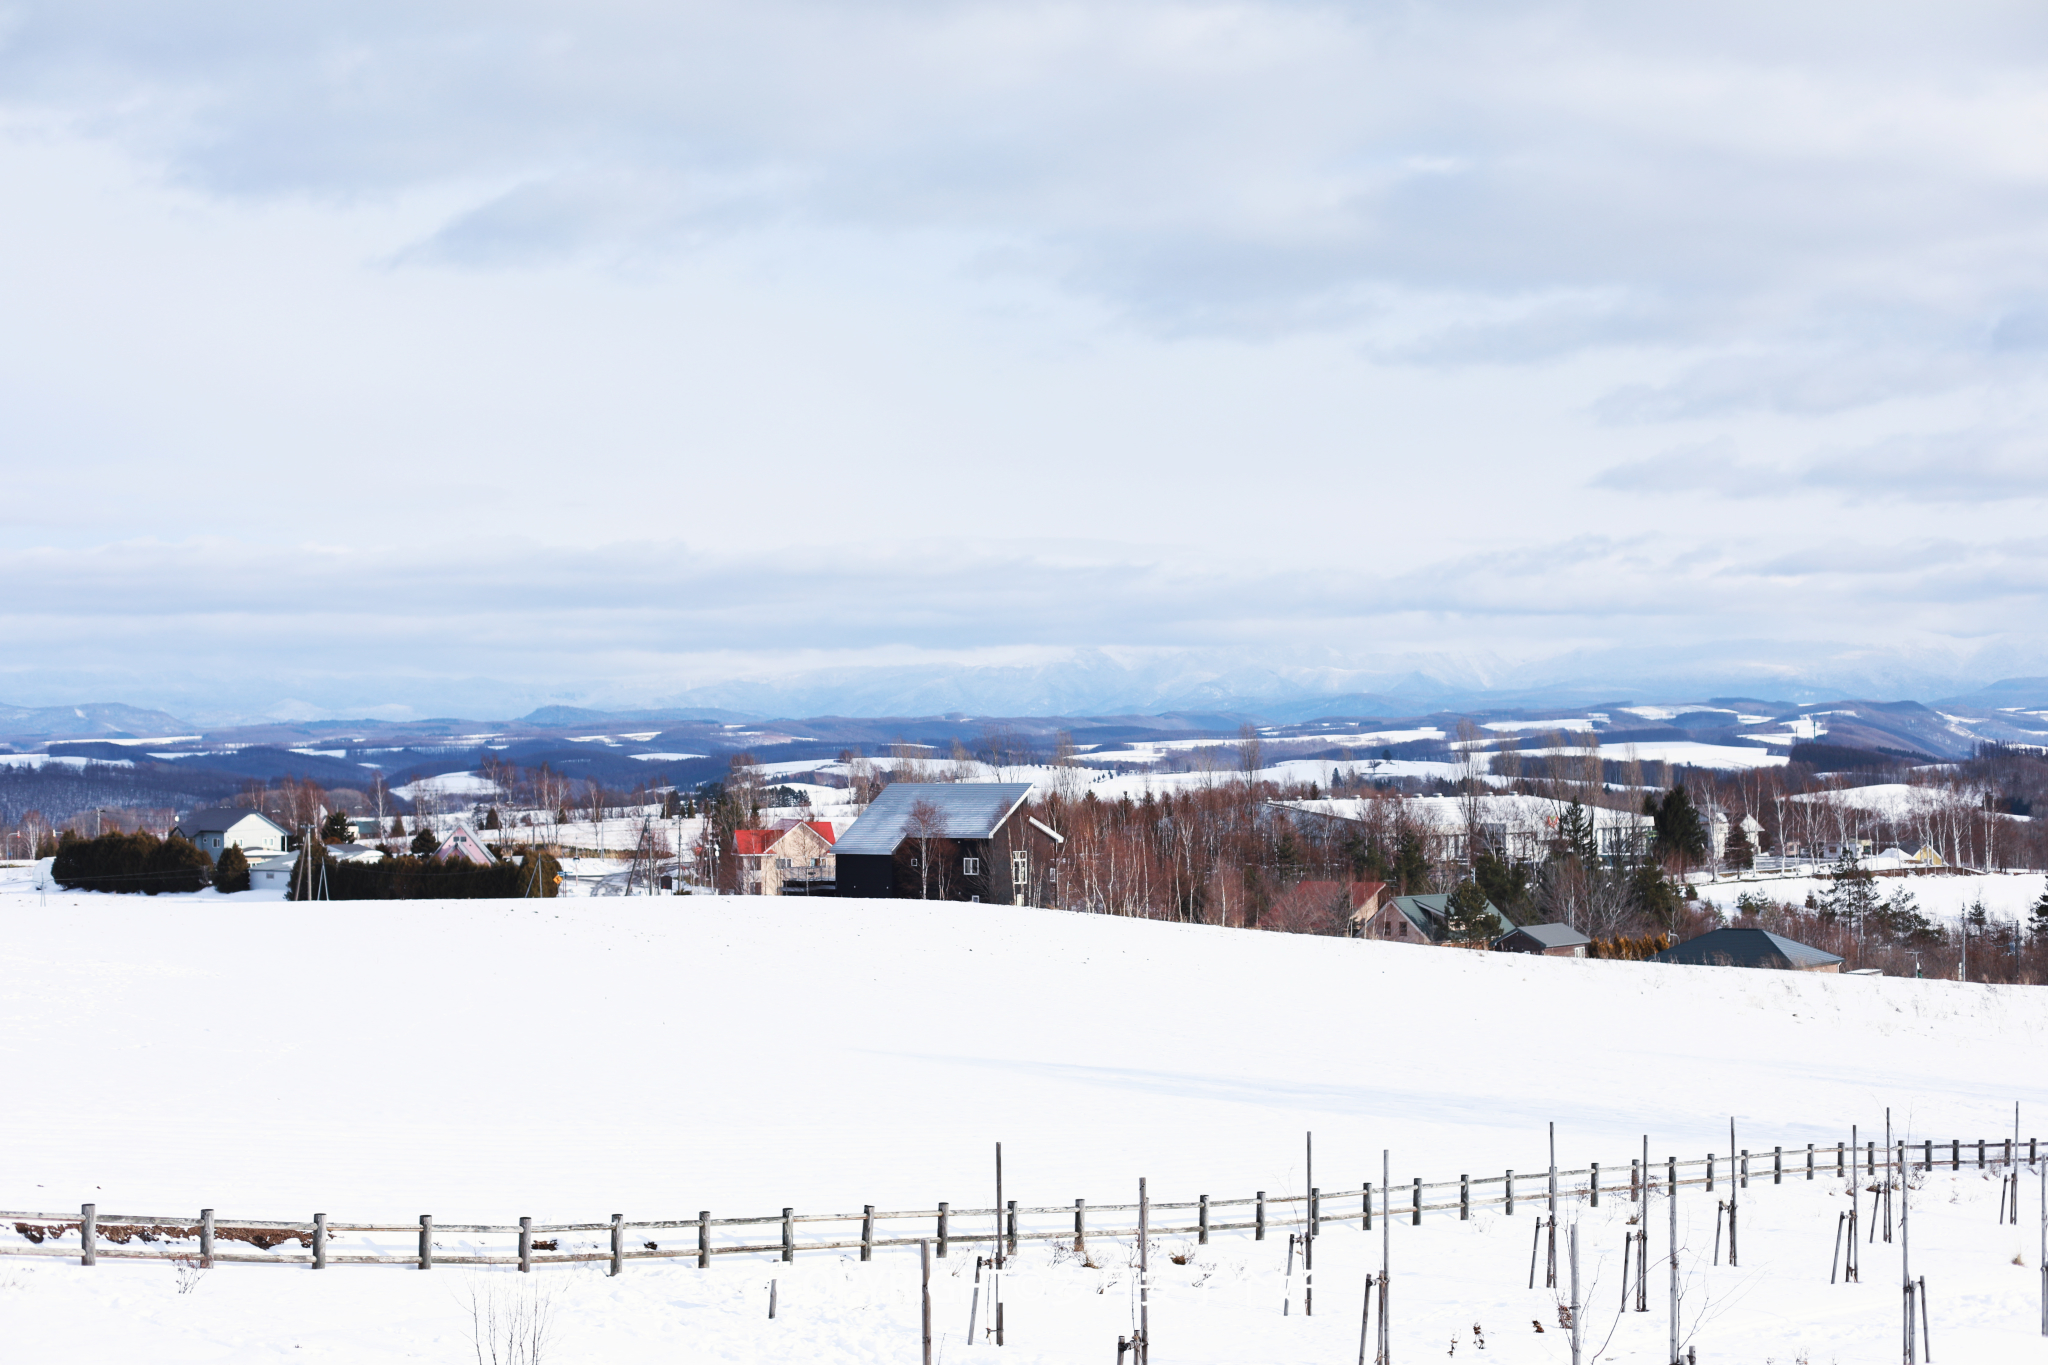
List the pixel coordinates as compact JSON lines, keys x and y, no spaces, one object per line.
{"x":1144,"y":1273}
{"x":1572,"y":1239}
{"x":1671,"y":1198}
{"x":924,"y":1261}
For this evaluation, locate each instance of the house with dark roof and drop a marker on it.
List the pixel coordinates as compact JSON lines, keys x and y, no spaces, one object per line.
{"x":791,"y":857}
{"x":1550,"y":940}
{"x":223,"y":827}
{"x":1750,"y":948}
{"x":958,"y":841}
{"x":1415,"y":919}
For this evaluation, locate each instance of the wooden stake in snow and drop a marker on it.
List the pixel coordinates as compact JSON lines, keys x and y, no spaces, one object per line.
{"x":1671,"y":1198}
{"x":1308,"y":1231}
{"x":1144,"y":1273}
{"x":1553,"y":1191}
{"x":1733,"y":1186}
{"x":1906,"y":1269}
{"x":1386,"y":1346}
{"x":772,"y":1285}
{"x":924,"y":1261}
{"x":1572,"y":1236}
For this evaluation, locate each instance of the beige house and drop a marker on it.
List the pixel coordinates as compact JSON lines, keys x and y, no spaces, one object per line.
{"x":787,"y":859}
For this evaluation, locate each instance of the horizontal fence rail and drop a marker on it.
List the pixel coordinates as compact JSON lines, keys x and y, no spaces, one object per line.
{"x":208,"y":1240}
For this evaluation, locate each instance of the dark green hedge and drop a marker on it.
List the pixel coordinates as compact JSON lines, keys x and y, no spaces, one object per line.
{"x":131,"y":862}
{"x":426,"y":879}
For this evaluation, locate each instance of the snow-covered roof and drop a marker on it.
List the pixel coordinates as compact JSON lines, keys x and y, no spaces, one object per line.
{"x":965,"y":810}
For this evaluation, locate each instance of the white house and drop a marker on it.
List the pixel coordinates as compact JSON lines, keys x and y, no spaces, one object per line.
{"x":214,"y":831}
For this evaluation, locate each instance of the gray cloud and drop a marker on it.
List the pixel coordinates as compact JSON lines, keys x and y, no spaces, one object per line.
{"x":1203,"y":166}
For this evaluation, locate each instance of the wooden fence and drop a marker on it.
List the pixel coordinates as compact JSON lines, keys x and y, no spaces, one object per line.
{"x":92,"y":1236}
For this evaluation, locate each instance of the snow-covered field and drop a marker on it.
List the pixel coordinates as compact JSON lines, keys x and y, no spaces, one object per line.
{"x":2004,"y":895}
{"x":657,"y":1056}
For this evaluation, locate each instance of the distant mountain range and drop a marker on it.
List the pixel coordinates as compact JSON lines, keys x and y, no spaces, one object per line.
{"x":1274,"y":689}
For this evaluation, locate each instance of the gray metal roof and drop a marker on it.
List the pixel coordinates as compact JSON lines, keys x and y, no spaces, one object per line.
{"x":1745,"y":948}
{"x":965,"y":810}
{"x":1550,"y":935}
{"x":1430,"y":914}
{"x":222,"y":818}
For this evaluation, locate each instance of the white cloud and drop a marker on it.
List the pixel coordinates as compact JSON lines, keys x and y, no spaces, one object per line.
{"x":540,"y":341}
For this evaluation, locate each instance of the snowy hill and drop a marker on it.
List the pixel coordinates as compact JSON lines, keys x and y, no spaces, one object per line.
{"x":661,"y":1056}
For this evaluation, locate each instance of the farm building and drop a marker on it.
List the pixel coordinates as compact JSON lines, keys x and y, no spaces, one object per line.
{"x":1750,"y":948}
{"x":959,"y":841}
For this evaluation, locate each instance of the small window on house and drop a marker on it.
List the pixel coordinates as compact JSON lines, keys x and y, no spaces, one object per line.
{"x":782,"y":862}
{"x":1020,"y":867}
{"x":970,"y":867}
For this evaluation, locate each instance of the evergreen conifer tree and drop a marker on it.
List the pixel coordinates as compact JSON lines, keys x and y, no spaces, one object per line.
{"x":231,"y":873}
{"x":424,"y":843}
{"x":1468,"y":918}
{"x":336,"y":829}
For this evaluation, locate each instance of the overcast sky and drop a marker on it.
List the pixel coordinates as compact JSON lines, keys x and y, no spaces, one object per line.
{"x":362,"y":353}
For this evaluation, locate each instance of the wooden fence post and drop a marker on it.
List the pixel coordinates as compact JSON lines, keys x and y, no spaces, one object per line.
{"x":789,"y":1236}
{"x":1777,"y":1165}
{"x":1203,"y":1219}
{"x":1259,"y":1219}
{"x":1809,"y":1160}
{"x":319,"y":1241}
{"x":525,"y":1246}
{"x":426,"y":1241}
{"x":1841,"y":1171}
{"x":703,"y":1239}
{"x":1510,"y":1183}
{"x":1744,"y":1179}
{"x":88,"y":1234}
{"x":1595,"y":1182}
{"x":1418,"y":1203}
{"x":1710,"y":1172}
{"x":1464,"y":1198}
{"x":206,"y":1239}
{"x":1314,"y":1221}
{"x":867,"y":1232}
{"x":1081,"y":1228}
{"x":1012,"y":1210}
{"x":943,"y":1233}
{"x":1927,"y":1155}
{"x":619,"y":1242}
{"x":1368,"y":1206}
{"x":1955,"y":1154}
